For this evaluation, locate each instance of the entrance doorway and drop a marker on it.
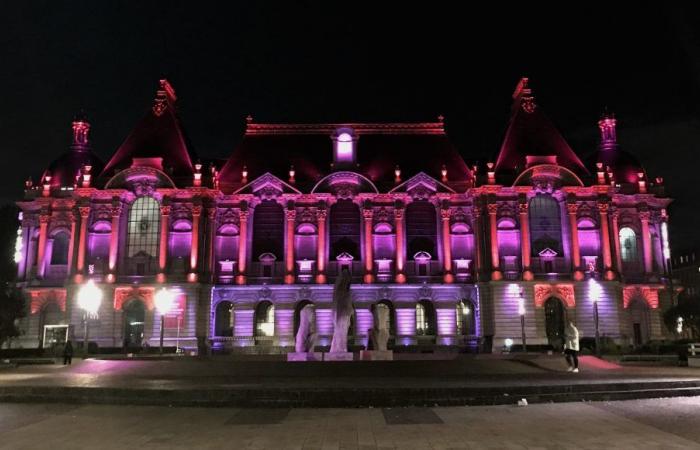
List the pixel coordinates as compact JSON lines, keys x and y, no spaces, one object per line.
{"x":639,"y":317}
{"x":134,"y":322}
{"x":555,"y":321}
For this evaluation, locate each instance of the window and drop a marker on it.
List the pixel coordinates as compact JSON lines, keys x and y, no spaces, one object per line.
{"x":224,"y":319}
{"x":265,"y":319}
{"x":421,"y":320}
{"x":143,"y":227}
{"x":465,"y":318}
{"x":59,"y":250}
{"x":628,"y":245}
{"x":545,"y":224}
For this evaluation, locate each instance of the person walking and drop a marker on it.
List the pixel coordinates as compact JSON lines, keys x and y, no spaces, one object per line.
{"x":571,"y":347}
{"x":68,"y":353}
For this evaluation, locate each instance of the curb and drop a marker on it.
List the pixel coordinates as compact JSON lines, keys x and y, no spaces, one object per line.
{"x":343,"y":397}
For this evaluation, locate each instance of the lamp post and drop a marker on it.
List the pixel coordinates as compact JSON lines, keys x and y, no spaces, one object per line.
{"x":521,"y":311}
{"x":164,"y":302}
{"x":594,"y":292}
{"x":89,"y":300}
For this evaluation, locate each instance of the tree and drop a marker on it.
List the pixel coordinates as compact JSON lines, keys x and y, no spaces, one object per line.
{"x":689,"y":309}
{"x":11,"y":309}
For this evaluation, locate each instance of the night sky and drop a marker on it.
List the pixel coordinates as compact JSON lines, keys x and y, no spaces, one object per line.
{"x":311,"y":61}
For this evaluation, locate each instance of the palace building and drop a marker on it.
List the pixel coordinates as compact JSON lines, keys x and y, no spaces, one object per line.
{"x":465,"y":256}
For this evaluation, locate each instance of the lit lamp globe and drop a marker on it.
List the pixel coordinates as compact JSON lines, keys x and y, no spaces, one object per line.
{"x":90,"y":297}
{"x":164,"y":301}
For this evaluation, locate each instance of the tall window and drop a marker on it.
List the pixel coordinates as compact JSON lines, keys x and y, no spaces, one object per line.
{"x":421,"y":228}
{"x":59,"y":250}
{"x":224,"y":319}
{"x":144,"y":227}
{"x":628,"y":245}
{"x":465,"y":318}
{"x":345,"y":229}
{"x":265,"y":319}
{"x":545,"y":224}
{"x":421,"y":319}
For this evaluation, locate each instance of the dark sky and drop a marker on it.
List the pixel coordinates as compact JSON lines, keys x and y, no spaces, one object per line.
{"x":310,"y":61}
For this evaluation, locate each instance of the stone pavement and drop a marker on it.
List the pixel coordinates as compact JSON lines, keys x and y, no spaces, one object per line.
{"x":223,"y":381}
{"x":637,"y":424}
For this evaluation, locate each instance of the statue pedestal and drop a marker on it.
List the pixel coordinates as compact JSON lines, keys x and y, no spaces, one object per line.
{"x":338,"y":356}
{"x":305,"y":356}
{"x":376,"y":355}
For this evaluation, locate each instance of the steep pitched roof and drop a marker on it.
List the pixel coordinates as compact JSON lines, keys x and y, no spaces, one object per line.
{"x":158,"y":134}
{"x":414,"y":147}
{"x":531,"y":133}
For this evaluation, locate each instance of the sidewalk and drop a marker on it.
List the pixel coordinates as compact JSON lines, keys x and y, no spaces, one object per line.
{"x":222,"y":381}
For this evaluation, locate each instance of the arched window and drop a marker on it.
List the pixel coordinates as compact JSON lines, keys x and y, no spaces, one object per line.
{"x":143,"y":227}
{"x":421,"y":227}
{"x":425,"y":318}
{"x":268,"y":229}
{"x":465,"y":318}
{"x":628,"y":245}
{"x":545,"y":224}
{"x":345,"y":229}
{"x":224,"y":319}
{"x":59,"y":249}
{"x":265,"y":319}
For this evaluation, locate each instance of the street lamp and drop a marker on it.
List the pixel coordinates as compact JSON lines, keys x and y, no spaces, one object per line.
{"x":89,"y":300}
{"x":521,"y":311}
{"x":679,"y":325}
{"x":164,"y":303}
{"x":594,"y":292}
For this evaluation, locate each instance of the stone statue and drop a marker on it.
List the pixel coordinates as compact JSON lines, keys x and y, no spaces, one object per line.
{"x":306,"y":336}
{"x":379,"y":334}
{"x":342,"y":309}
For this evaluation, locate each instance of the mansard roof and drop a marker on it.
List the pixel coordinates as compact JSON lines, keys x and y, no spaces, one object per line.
{"x":159,"y":134}
{"x":380,"y":148}
{"x":531,"y":134}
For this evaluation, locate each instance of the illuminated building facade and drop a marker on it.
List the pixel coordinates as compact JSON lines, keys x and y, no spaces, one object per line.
{"x":457,"y":251}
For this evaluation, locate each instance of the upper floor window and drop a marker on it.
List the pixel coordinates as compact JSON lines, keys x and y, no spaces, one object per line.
{"x":628,"y":245}
{"x":59,"y":250}
{"x":545,"y":224}
{"x":143,"y":227}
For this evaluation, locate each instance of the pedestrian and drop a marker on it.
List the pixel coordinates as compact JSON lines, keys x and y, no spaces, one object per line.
{"x":571,"y":347}
{"x":68,"y":353}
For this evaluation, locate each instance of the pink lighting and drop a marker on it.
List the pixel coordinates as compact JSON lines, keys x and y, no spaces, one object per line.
{"x":397,"y":174}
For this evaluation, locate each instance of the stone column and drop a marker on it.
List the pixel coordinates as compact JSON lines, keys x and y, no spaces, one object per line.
{"x":211,"y":237}
{"x":525,"y":241}
{"x":615,"y":214}
{"x":448,"y":276}
{"x":194,"y":246}
{"x":82,"y":240}
{"x":478,"y":236}
{"x":242,"y":247}
{"x":41,"y":251}
{"x":114,"y":238}
{"x":398,"y":225}
{"x":605,"y":241}
{"x":163,"y":255}
{"x":321,"y":247}
{"x":71,"y":242}
{"x":644,"y":217}
{"x":572,"y":208}
{"x":496,"y":273}
{"x":367,"y":215}
{"x":291,"y":216}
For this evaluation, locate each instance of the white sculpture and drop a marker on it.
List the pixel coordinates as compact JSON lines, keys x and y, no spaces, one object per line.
{"x":379,"y":334}
{"x":306,"y":335}
{"x":342,"y":309}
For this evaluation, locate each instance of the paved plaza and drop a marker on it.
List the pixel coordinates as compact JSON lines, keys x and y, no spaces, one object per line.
{"x":636,"y":424}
